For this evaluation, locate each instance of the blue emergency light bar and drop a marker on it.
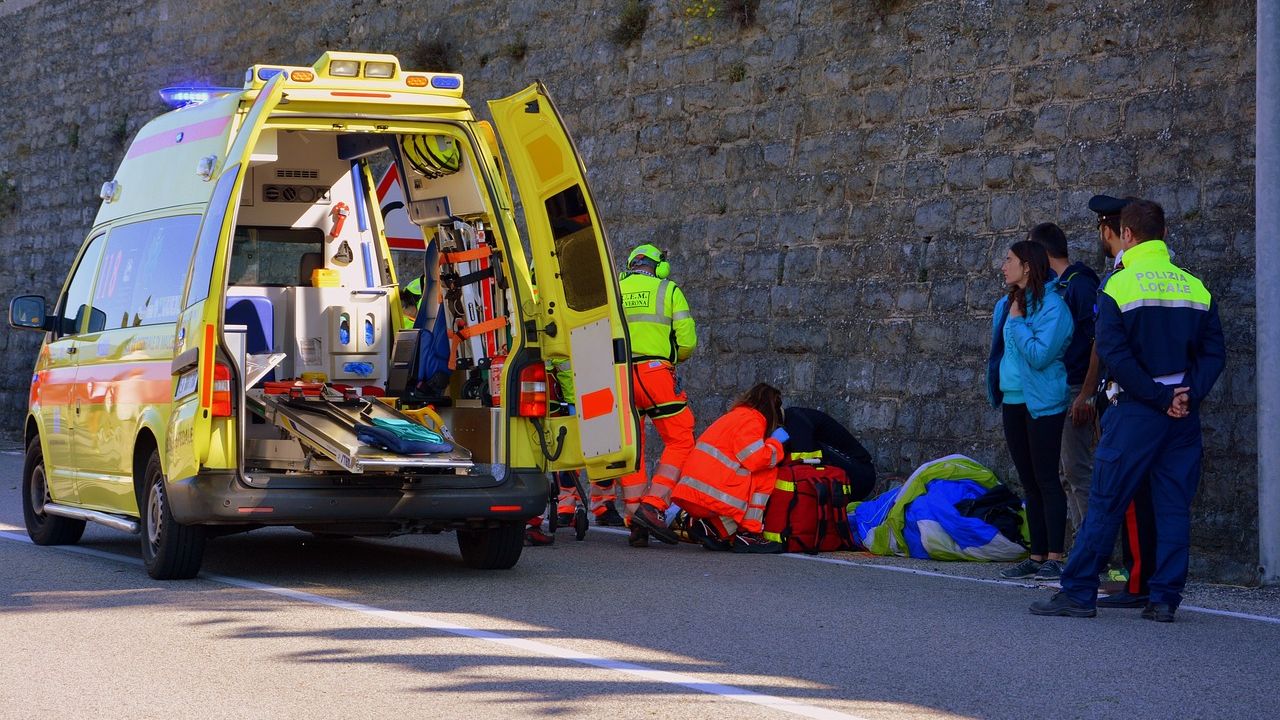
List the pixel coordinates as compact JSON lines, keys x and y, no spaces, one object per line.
{"x":444,"y":82}
{"x":182,"y":96}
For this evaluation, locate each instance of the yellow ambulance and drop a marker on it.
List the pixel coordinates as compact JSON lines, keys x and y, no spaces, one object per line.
{"x":228,"y":350}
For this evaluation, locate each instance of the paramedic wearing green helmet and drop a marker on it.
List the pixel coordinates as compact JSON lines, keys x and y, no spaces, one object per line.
{"x":662,"y":334}
{"x":411,"y":302}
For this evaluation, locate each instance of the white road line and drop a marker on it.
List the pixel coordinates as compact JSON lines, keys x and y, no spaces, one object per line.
{"x":985,"y":581}
{"x":426,"y":620}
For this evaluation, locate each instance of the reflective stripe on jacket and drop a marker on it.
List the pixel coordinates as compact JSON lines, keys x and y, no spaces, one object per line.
{"x":731,"y":470}
{"x":658,"y":318}
{"x":1156,"y":319}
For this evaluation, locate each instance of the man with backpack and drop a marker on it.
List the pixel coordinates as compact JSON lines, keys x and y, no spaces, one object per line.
{"x":1078,"y":286}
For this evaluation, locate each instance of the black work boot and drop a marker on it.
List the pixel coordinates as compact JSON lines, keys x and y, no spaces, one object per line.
{"x":1061,"y":604}
{"x":1160,"y":612}
{"x":639,"y":537}
{"x":650,"y":518}
{"x":610,"y":516}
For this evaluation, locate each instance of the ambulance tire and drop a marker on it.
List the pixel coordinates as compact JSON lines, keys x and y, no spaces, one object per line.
{"x":43,"y":529}
{"x":170,"y":550}
{"x":495,"y":548}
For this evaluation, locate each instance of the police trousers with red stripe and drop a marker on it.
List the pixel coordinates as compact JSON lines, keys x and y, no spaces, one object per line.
{"x":656,"y":397}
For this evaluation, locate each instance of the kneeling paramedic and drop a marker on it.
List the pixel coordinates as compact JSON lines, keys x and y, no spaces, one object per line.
{"x":1159,"y":334}
{"x":662,"y":334}
{"x":726,"y":482}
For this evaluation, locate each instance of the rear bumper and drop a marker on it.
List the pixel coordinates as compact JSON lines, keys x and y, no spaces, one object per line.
{"x":222,"y":499}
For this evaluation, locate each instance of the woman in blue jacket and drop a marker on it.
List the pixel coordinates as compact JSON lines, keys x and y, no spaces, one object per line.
{"x":1026,"y":378}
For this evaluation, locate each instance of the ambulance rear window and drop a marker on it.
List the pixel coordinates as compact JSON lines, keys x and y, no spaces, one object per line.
{"x":577,"y":247}
{"x":274,"y":256}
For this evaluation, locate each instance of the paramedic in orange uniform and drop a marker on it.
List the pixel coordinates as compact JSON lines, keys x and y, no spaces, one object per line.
{"x":662,"y":334}
{"x":728,"y":477}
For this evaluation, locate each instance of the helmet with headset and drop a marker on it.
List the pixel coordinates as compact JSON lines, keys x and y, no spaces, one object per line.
{"x":433,"y":156}
{"x":651,"y":252}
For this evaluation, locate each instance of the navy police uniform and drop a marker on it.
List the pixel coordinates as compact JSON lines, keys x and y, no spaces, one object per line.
{"x":1138,"y":533}
{"x":1158,"y":329}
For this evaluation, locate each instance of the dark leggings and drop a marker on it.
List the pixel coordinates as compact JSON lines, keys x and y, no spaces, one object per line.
{"x":1034,"y":445}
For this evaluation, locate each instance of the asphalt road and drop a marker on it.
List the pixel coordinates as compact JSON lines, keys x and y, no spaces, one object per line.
{"x":281,"y":625}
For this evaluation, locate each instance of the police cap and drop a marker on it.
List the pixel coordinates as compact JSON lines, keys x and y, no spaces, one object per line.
{"x":1105,"y":205}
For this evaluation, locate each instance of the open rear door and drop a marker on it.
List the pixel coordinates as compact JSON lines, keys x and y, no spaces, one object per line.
{"x":192,"y":431}
{"x":580,"y":316}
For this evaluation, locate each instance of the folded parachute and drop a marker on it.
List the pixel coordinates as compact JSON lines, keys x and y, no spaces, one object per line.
{"x":944,"y":512}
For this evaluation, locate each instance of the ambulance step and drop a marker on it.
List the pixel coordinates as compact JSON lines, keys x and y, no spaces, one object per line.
{"x":115,"y":522}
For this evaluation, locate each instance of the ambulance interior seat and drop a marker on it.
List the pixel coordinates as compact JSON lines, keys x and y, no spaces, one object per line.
{"x":258,"y":316}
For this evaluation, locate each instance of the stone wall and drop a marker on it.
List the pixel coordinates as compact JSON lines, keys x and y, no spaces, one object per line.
{"x":836,"y":180}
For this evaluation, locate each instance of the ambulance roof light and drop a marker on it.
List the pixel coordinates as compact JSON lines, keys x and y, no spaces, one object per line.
{"x":182,"y":96}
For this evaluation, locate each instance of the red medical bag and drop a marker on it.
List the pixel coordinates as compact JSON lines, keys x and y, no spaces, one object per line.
{"x":806,"y":510}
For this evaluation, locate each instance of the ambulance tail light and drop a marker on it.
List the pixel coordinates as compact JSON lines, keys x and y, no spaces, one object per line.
{"x":221,"y":406}
{"x":532,"y":401}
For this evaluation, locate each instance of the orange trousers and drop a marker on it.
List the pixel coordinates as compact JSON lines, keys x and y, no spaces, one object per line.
{"x":654,"y":390}
{"x":600,"y":493}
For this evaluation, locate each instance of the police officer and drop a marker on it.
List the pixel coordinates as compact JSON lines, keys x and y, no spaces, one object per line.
{"x":1138,"y":533}
{"x":1159,"y":335}
{"x":662,"y":333}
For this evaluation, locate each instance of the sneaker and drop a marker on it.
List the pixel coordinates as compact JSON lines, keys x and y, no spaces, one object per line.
{"x":702,"y":533}
{"x":639,"y":537}
{"x":1023,"y":570}
{"x":755,"y":543}
{"x":610,"y":516}
{"x":1061,"y":605}
{"x":1160,"y":612}
{"x":650,"y":518}
{"x":1050,"y":571}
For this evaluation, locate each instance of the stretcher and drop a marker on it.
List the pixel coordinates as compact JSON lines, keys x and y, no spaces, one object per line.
{"x":326,"y":422}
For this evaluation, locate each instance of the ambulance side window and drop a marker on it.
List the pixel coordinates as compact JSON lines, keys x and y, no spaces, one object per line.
{"x":140,"y":279}
{"x":577,"y":248}
{"x":75,"y":303}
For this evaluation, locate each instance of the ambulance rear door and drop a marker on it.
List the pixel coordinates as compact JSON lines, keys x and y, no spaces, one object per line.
{"x":201,"y":431}
{"x":580,"y":316}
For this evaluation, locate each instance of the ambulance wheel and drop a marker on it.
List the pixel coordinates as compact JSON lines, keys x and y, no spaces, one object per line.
{"x":43,"y":529}
{"x":170,"y":550}
{"x":492,"y":548}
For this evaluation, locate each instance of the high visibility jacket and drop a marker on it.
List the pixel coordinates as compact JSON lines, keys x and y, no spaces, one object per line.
{"x":732,"y":469}
{"x":658,"y":318}
{"x":1158,"y":328}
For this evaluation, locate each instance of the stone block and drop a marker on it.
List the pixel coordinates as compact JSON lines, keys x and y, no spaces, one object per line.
{"x":1050,"y":126}
{"x":997,"y":172}
{"x":997,"y":91}
{"x":1007,"y":129}
{"x":934,"y":217}
{"x":1093,"y":120}
{"x":960,"y":135}
{"x":1006,"y":212}
{"x":965,"y":172}
{"x":880,"y":106}
{"x":1033,"y":85}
